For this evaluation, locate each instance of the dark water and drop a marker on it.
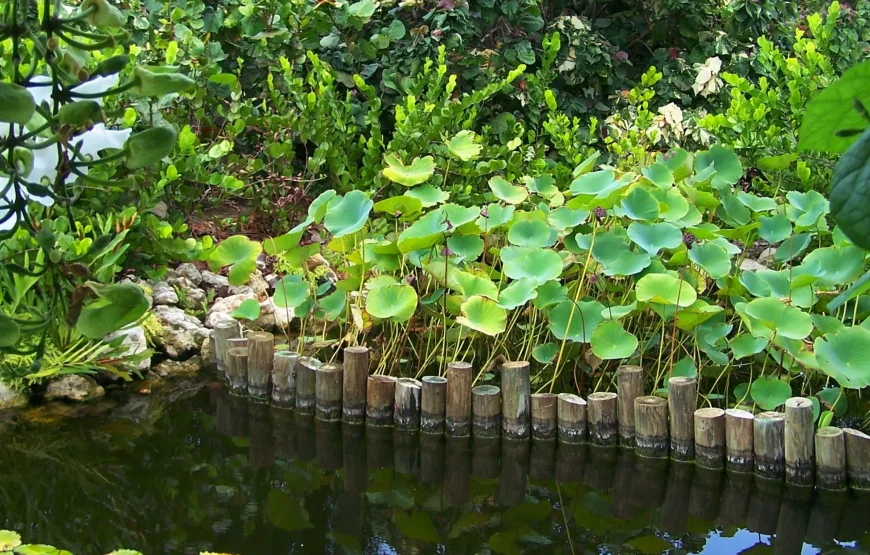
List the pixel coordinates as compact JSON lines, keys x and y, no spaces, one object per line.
{"x":199,"y":470}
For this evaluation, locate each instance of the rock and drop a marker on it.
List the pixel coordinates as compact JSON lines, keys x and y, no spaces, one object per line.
{"x":273,"y":318}
{"x":212,"y":281}
{"x":11,"y":398}
{"x":234,"y":290}
{"x":172,"y":368}
{"x":164,"y":294}
{"x":272,"y":281}
{"x":135,"y":343}
{"x":767,"y":257}
{"x":749,"y":265}
{"x":205,"y":349}
{"x":189,"y":272}
{"x":182,"y":333}
{"x":261,"y":261}
{"x":74,"y":387}
{"x":222,"y":308}
{"x":190,"y":295}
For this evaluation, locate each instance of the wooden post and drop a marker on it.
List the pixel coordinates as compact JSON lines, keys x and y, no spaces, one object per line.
{"x":486,"y":411}
{"x":602,"y":418}
{"x":516,"y":416}
{"x":284,"y":379}
{"x":682,"y":393}
{"x":799,"y":441}
{"x":629,"y":380}
{"x":571,"y":416}
{"x":237,"y":343}
{"x":356,"y":372}
{"x":406,"y":414}
{"x":651,"y":426}
{"x":328,"y":388}
{"x":459,"y":378}
{"x":831,"y":458}
{"x":223,"y":332}
{"x":434,"y":405}
{"x":738,"y":440}
{"x":768,"y":436}
{"x":306,"y":383}
{"x":261,"y":354}
{"x":380,"y":393}
{"x":710,"y":437}
{"x":857,"y":459}
{"x":237,"y":370}
{"x":544,"y":416}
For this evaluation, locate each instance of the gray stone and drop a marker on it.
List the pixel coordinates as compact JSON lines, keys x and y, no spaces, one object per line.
{"x":234,"y":290}
{"x":222,"y":308}
{"x":212,"y":281}
{"x":767,"y":257}
{"x":272,"y":281}
{"x":749,"y":265}
{"x":135,"y":343}
{"x":189,"y":271}
{"x":74,"y":387}
{"x":190,"y":296}
{"x":164,"y":294}
{"x":273,"y":318}
{"x":11,"y":398}
{"x":172,"y":368}
{"x":181,"y":334}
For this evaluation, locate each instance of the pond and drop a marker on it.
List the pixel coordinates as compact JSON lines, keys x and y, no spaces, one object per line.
{"x":193,"y":469}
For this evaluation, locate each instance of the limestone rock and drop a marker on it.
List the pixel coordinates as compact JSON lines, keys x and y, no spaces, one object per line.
{"x":749,"y":265}
{"x":173,"y":368}
{"x":218,"y":283}
{"x":222,"y":308}
{"x":767,"y":257}
{"x":164,"y":294}
{"x":11,"y":398}
{"x":234,"y":290}
{"x":189,"y":272}
{"x":182,"y":333}
{"x":190,"y":296}
{"x":74,"y":387}
{"x":273,"y":318}
{"x":135,"y":343}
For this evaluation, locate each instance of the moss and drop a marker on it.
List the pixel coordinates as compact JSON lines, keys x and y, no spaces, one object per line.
{"x":153,"y":329}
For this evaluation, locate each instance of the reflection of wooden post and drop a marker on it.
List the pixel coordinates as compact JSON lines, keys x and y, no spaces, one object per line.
{"x":406,"y":450}
{"x":793,"y":516}
{"x":764,"y":503}
{"x":825,"y":517}
{"x":831,"y":458}
{"x":738,"y":440}
{"x":516,"y":416}
{"x":675,"y":509}
{"x":486,"y":411}
{"x":380,"y":394}
{"x":284,"y":379}
{"x":407,"y":408}
{"x":513,"y":478}
{"x":542,"y":462}
{"x":261,"y":354}
{"x":223,"y":332}
{"x":682,"y":393}
{"x":651,"y":426}
{"x":379,"y":446}
{"x":457,"y":481}
{"x":544,"y":416}
{"x":768,"y":436}
{"x":571,"y":411}
{"x":237,"y":370}
{"x":306,"y":384}
{"x":459,"y":378}
{"x":356,"y":372}
{"x":353,"y":447}
{"x":434,"y":405}
{"x":327,"y":441}
{"x":629,"y":381}
{"x":705,"y":494}
{"x":484,"y":458}
{"x":261,"y":449}
{"x":857,"y":459}
{"x":710,"y":437}
{"x":623,"y":505}
{"x":649,"y":481}
{"x":570,"y":462}
{"x":602,"y":418}
{"x":735,"y":499}
{"x":328,"y":387}
{"x":431,"y":459}
{"x":600,"y":464}
{"x":799,"y":441}
{"x":306,"y":438}
{"x":283,"y":433}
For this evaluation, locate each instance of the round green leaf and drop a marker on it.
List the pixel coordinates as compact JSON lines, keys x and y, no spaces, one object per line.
{"x":483,"y":315}
{"x":665,"y":289}
{"x":16,"y":104}
{"x":420,"y":170}
{"x":639,"y":204}
{"x":473,"y":285}
{"x":684,"y":368}
{"x":403,"y":205}
{"x":774,"y":228}
{"x":793,"y":247}
{"x":575,"y":322}
{"x":549,"y":294}
{"x":843,"y":356}
{"x":429,"y":195}
{"x":239,"y":252}
{"x":712,"y":258}
{"x":834,"y":265}
{"x":769,"y":392}
{"x":424,"y":233}
{"x":494,"y":216}
{"x":249,"y":310}
{"x":545,"y":353}
{"x":613,"y":252}
{"x":394,"y":302}
{"x":10,"y":331}
{"x":654,"y":237}
{"x":503,"y":190}
{"x":724,"y":161}
{"x":659,"y":175}
{"x":468,"y":247}
{"x":564,"y":218}
{"x":349,"y":215}
{"x":610,"y":341}
{"x":333,"y":304}
{"x":291,"y":292}
{"x":836,"y":399}
{"x":599,"y":184}
{"x":672,"y":204}
{"x":9,"y":540}
{"x":462,"y":146}
{"x":745,"y":345}
{"x":531,"y":233}
{"x":526,"y":262}
{"x":518,"y":293}
{"x":787,"y":321}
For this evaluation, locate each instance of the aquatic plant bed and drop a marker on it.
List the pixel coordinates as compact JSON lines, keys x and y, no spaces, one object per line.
{"x":772,"y":444}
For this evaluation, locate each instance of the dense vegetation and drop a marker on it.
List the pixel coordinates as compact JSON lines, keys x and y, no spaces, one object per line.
{"x":582,"y":185}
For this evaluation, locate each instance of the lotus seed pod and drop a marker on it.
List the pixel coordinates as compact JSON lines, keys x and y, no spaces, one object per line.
{"x":78,"y":113}
{"x":148,"y":82}
{"x":23,"y":160}
{"x":112,"y":65}
{"x":149,"y":146}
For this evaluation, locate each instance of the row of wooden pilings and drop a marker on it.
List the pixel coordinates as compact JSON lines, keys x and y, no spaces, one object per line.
{"x":770,"y":444}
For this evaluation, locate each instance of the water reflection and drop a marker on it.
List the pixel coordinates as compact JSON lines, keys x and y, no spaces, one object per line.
{"x":218,"y":473}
